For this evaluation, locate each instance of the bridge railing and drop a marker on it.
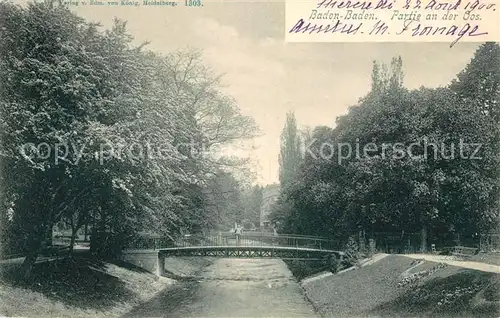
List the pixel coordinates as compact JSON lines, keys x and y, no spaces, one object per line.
{"x":286,"y":241}
{"x":230,"y":239}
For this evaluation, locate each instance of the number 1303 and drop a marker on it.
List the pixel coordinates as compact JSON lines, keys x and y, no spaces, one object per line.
{"x":193,"y":3}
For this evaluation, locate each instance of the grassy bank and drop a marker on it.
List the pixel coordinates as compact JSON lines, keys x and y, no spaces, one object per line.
{"x":82,"y":287}
{"x":398,"y":286}
{"x":303,"y":268}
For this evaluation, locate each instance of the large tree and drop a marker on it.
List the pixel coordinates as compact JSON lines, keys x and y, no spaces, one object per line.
{"x":290,"y":151}
{"x":429,"y":188}
{"x":125,"y":134}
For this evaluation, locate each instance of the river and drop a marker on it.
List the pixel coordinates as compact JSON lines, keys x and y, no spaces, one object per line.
{"x":233,"y":288}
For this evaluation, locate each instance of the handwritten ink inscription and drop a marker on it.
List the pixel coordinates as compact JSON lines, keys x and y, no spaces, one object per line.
{"x":392,"y":20}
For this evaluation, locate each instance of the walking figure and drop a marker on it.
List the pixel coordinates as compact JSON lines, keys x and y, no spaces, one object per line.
{"x":238,"y":234}
{"x":275,"y":234}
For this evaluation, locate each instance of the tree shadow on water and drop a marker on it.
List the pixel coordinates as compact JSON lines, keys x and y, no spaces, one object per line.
{"x":79,"y":281}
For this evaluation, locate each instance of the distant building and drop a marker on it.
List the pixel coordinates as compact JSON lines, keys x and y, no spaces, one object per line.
{"x":270,"y":194}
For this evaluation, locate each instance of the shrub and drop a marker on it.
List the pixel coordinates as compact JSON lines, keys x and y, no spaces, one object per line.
{"x":352,"y":250}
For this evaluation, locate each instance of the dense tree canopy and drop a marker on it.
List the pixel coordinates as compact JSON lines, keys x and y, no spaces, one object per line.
{"x":95,"y":130}
{"x":428,"y":178}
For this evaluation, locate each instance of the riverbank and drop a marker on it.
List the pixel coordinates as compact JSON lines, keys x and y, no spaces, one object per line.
{"x":400,"y":286}
{"x":302,"y":269}
{"x":86,"y":287}
{"x":388,"y":285}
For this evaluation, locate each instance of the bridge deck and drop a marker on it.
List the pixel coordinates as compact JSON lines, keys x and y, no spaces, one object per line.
{"x":251,"y":247}
{"x":284,"y":252}
{"x":248,"y":245}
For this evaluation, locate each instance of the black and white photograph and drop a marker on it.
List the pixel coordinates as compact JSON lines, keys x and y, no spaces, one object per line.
{"x":182,"y":158}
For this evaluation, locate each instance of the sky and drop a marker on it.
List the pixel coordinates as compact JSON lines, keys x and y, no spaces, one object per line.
{"x":268,"y":77}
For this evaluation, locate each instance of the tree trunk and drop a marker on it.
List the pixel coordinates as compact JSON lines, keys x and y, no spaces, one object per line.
{"x":362,"y":241}
{"x":401,"y":247}
{"x":27,"y":266}
{"x":423,"y":240}
{"x":48,"y":234}
{"x":102,"y":234}
{"x":93,"y":240}
{"x":74,"y":230}
{"x":86,"y":235}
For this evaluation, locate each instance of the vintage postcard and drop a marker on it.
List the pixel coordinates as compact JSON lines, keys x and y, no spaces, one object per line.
{"x":268,"y":158}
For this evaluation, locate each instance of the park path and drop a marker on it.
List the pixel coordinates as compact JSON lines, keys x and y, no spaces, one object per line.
{"x":450,"y":260}
{"x":40,"y":258}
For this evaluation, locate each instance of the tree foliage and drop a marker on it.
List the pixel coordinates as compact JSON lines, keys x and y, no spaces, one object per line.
{"x":290,"y":153}
{"x":436,"y":188}
{"x":96,"y":131}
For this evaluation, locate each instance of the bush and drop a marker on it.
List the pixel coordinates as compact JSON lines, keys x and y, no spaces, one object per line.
{"x":107,"y":245}
{"x":352,"y":250}
{"x":303,"y":269}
